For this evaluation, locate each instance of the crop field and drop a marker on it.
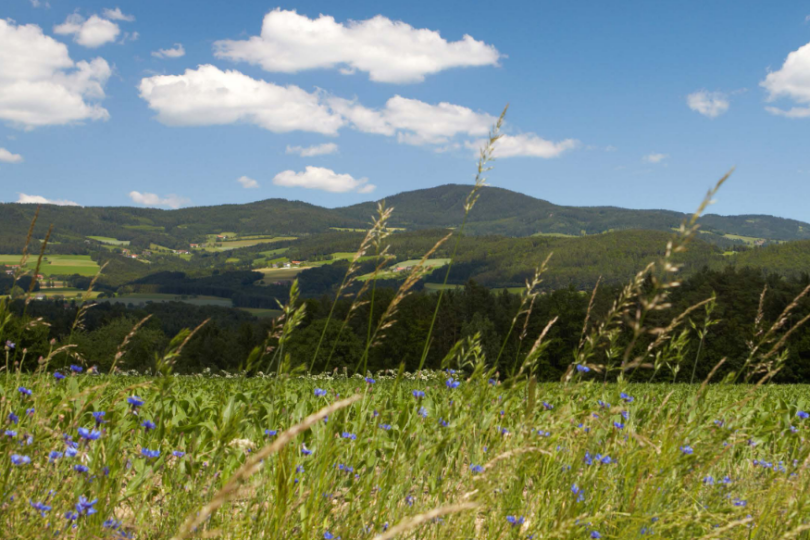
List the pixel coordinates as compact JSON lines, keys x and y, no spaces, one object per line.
{"x":57,"y":264}
{"x":439,"y":456}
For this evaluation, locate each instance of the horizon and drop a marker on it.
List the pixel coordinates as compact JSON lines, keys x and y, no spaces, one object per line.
{"x":594,"y":120}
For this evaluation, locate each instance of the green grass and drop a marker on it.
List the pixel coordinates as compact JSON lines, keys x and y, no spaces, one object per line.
{"x":143,"y":298}
{"x":226,"y":245}
{"x":57,"y":264}
{"x":263,"y":313}
{"x":431,"y":264}
{"x":749,"y":240}
{"x":108,"y":240}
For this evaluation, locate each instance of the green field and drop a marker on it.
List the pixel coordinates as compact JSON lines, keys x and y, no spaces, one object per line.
{"x":271,"y":275}
{"x":577,"y":461}
{"x":144,"y":298}
{"x":249,"y":241}
{"x":108,"y":240}
{"x":430,"y":264}
{"x":263,"y":313}
{"x":57,"y":264}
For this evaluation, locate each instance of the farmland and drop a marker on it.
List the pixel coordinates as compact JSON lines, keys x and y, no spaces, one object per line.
{"x":570,"y":461}
{"x":144,"y":298}
{"x":57,"y":264}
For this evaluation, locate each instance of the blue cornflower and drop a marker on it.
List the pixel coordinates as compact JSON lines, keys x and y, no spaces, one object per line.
{"x":71,"y":516}
{"x":794,"y":429}
{"x":493,"y":382}
{"x":347,"y":435}
{"x":418,"y":394}
{"x":452,"y":383}
{"x":409,"y":500}
{"x":24,"y":391}
{"x":442,"y":422}
{"x":320,"y":392}
{"x":90,"y":435}
{"x":603,"y":404}
{"x":583,"y":368}
{"x":54,"y":455}
{"x":81,"y":468}
{"x":618,"y":425}
{"x":13,"y":418}
{"x":85,"y":507}
{"x":76,"y":369}
{"x":271,"y":432}
{"x":71,"y":452}
{"x":58,"y":376}
{"x":422,"y":412}
{"x":595,"y":534}
{"x":476,"y":469}
{"x":547,"y":406}
{"x":111,"y":523}
{"x":18,"y":459}
{"x":709,"y":480}
{"x":625,"y":415}
{"x":41,"y":507}
{"x":99,"y":417}
{"x":178,"y":453}
{"x":10,"y":344}
{"x":148,"y":425}
{"x":30,"y":411}
{"x":515,"y":521}
{"x":803,"y":415}
{"x":329,"y":536}
{"x":626,"y":398}
{"x":369,"y":380}
{"x":10,"y":433}
{"x":686,"y":449}
{"x":299,"y":469}
{"x":386,"y":427}
{"x":306,"y":451}
{"x":150,"y":453}
{"x":740,"y":502}
{"x":135,"y":401}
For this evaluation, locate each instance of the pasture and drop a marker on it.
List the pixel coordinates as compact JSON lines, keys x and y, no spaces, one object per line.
{"x":110,"y":241}
{"x":53,"y":265}
{"x":434,"y":455}
{"x":144,"y":298}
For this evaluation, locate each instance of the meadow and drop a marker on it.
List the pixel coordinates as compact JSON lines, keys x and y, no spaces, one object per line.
{"x":57,"y":265}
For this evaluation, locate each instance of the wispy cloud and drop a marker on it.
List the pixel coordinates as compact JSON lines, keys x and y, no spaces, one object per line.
{"x":175,"y":52}
{"x":710,"y":104}
{"x":311,"y":151}
{"x":37,"y":199}
{"x":151,"y":199}
{"x":654,"y":158}
{"x":117,"y":15}
{"x":247,"y":182}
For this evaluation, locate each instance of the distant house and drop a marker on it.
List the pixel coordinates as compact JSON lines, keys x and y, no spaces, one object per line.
{"x":125,"y":251}
{"x":296,"y":263}
{"x":400,"y":268}
{"x":194,"y":246}
{"x":286,"y":265}
{"x":134,"y":256}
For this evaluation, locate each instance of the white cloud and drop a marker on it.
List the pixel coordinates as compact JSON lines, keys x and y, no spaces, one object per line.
{"x":711,"y":104}
{"x":324,"y":179}
{"x":37,"y":199}
{"x":654,"y":158}
{"x":92,"y":33}
{"x":209,"y":96}
{"x":8,"y":157}
{"x":389,"y":51}
{"x":39,"y":83}
{"x":116,"y":15}
{"x":311,"y":151}
{"x":413,"y":121}
{"x":247,"y":182}
{"x":792,"y":81}
{"x":527,"y":145}
{"x":175,"y":52}
{"x":151,"y":199}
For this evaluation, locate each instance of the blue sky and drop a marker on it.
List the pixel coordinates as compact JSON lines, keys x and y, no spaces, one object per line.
{"x":600,"y":112}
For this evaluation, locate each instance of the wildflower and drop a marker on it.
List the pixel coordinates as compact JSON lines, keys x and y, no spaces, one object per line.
{"x":89,"y":435}
{"x":547,"y":406}
{"x":422,"y":412}
{"x":687,"y":450}
{"x":18,"y":459}
{"x":369,"y":380}
{"x":151,"y":454}
{"x":418,"y":394}
{"x":111,"y":523}
{"x":271,"y":432}
{"x":135,"y":401}
{"x":178,"y":453}
{"x":24,"y":391}
{"x":58,"y":376}
{"x":626,"y":398}
{"x":76,"y":369}
{"x":320,"y":392}
{"x":442,"y":422}
{"x":41,"y":507}
{"x":452,"y":383}
{"x":740,"y":502}
{"x":582,"y":368}
{"x":71,"y":516}
{"x":709,"y":480}
{"x":71,"y":452}
{"x":30,"y":411}
{"x":10,"y":433}
{"x":476,"y":469}
{"x":618,"y":425}
{"x":803,"y":415}
{"x":148,"y":425}
{"x":578,"y":492}
{"x":81,"y":468}
{"x":493,"y":382}
{"x":794,"y":429}
{"x":13,"y":418}
{"x":603,"y":404}
{"x":99,"y":417}
{"x":386,"y":427}
{"x":299,"y":469}
{"x":347,"y":435}
{"x":306,"y":451}
{"x":595,"y":534}
{"x":409,"y":500}
{"x":515,"y":521}
{"x":625,"y":415}
{"x":54,"y":455}
{"x":85,"y":507}
{"x":10,"y":345}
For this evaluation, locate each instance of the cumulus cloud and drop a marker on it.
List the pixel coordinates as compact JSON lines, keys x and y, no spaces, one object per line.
{"x":711,"y":104}
{"x":527,"y":145}
{"x":8,"y":157}
{"x":210,"y":96}
{"x":389,"y":51}
{"x":151,"y":199}
{"x":324,"y":179}
{"x":310,"y":151}
{"x":247,"y":182}
{"x":40,"y":85}
{"x":116,"y":15}
{"x":37,"y":199}
{"x":413,"y":121}
{"x":91,"y":33}
{"x":791,"y":81}
{"x":175,"y":52}
{"x":654,"y":158}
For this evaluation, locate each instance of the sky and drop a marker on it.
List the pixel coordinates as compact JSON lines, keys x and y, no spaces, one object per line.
{"x":201,"y":102}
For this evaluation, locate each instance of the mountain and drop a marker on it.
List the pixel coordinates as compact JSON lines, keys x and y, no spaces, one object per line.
{"x":498,"y":211}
